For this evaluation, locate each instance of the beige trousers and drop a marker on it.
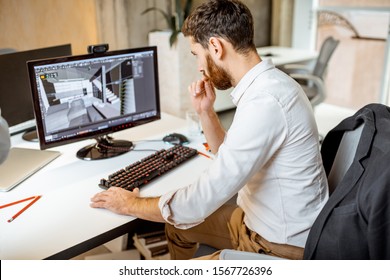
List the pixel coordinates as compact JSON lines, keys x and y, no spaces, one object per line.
{"x":224,"y":229}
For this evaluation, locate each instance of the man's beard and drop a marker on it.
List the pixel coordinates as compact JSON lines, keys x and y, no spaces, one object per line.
{"x":217,"y":75}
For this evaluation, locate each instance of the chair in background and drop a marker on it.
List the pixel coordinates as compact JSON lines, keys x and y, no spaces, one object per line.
{"x":312,"y":81}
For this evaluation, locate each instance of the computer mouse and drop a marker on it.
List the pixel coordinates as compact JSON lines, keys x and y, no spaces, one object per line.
{"x":176,"y":139}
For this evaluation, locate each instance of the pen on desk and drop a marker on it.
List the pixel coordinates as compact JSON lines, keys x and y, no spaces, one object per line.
{"x":16,"y":202}
{"x":204,"y":155}
{"x":24,"y":208}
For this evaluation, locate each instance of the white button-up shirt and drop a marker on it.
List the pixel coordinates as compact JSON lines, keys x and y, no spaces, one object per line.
{"x":270,"y":156}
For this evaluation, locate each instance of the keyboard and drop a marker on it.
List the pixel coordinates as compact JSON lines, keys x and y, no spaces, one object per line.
{"x":151,"y":167}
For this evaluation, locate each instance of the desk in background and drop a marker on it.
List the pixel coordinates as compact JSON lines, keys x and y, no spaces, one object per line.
{"x":280,"y":56}
{"x":61,"y":224}
{"x":283,"y":55}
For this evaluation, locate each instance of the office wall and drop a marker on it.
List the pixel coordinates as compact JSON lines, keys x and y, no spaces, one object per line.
{"x":30,"y":24}
{"x":356,"y":70}
{"x":282,"y":23}
{"x":355,"y":3}
{"x":27,"y":24}
{"x":121,"y":23}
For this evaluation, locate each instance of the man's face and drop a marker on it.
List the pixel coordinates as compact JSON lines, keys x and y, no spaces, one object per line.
{"x":219,"y":77}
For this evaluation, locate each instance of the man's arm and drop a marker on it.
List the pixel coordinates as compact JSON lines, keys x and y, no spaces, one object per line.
{"x":203,"y":97}
{"x":124,"y":202}
{"x":213,"y":130}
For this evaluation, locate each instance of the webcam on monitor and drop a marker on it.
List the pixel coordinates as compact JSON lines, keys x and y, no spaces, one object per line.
{"x":101,"y":48}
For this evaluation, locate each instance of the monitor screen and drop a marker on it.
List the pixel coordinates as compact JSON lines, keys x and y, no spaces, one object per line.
{"x":93,"y":95}
{"x":15,"y":95}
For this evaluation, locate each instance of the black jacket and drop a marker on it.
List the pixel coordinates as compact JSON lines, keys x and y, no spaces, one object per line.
{"x":355,"y":222}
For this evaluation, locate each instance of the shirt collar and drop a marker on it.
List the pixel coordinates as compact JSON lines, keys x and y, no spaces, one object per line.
{"x":248,"y":79}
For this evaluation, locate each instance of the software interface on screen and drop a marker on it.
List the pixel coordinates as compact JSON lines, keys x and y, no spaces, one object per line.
{"x":90,"y":95}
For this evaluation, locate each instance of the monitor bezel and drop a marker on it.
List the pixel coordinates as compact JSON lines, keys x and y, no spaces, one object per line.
{"x":97,"y":133}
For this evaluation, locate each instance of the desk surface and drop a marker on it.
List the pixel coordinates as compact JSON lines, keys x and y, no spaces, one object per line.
{"x":283,"y":55}
{"x":62,"y":224}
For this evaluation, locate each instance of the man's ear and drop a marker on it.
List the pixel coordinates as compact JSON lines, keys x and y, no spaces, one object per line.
{"x":216,"y":47}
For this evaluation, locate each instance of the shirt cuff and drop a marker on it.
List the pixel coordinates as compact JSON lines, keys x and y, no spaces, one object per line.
{"x":164,"y":204}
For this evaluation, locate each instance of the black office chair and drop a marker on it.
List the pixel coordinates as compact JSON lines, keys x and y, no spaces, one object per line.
{"x":312,"y":80}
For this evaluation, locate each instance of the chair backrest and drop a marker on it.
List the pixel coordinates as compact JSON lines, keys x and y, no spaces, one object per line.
{"x":327,"y":49}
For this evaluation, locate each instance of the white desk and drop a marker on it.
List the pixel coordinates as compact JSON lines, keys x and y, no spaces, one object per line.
{"x":280,"y":56}
{"x":283,"y":55}
{"x":61,"y":224}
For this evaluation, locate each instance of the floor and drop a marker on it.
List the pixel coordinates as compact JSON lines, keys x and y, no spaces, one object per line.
{"x":327,"y":117}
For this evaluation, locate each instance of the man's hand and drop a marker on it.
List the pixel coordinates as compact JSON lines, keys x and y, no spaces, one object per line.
{"x":202,"y":95}
{"x":117,"y":200}
{"x":125,"y":202}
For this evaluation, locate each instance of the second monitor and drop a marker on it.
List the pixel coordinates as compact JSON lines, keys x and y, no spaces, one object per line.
{"x":15,"y":96}
{"x":91,"y":96}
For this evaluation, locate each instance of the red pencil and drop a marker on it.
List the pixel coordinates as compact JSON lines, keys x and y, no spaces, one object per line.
{"x":24,"y":208}
{"x":204,"y":154}
{"x":16,"y":202}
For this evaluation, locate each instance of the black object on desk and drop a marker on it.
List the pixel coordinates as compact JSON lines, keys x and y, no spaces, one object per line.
{"x":176,"y":139}
{"x":268,"y":54}
{"x":142,"y":172}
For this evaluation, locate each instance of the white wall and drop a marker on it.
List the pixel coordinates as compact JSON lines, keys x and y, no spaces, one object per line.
{"x":304,"y":24}
{"x":385,"y":89}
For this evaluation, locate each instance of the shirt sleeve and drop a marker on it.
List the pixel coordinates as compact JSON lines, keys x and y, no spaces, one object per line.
{"x":258,"y":130}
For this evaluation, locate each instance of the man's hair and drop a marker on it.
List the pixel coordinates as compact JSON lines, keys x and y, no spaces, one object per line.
{"x":227,"y":19}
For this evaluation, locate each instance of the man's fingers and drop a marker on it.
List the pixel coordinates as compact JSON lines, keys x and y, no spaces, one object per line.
{"x":199,"y":87}
{"x":209,"y":89}
{"x":97,"y":204}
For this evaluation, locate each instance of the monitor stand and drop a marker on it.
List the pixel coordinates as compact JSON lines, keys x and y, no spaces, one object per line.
{"x":30,"y":135}
{"x":105,"y":147}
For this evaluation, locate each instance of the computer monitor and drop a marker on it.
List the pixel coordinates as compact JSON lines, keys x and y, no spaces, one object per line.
{"x":15,"y":95}
{"x":94,"y":95}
